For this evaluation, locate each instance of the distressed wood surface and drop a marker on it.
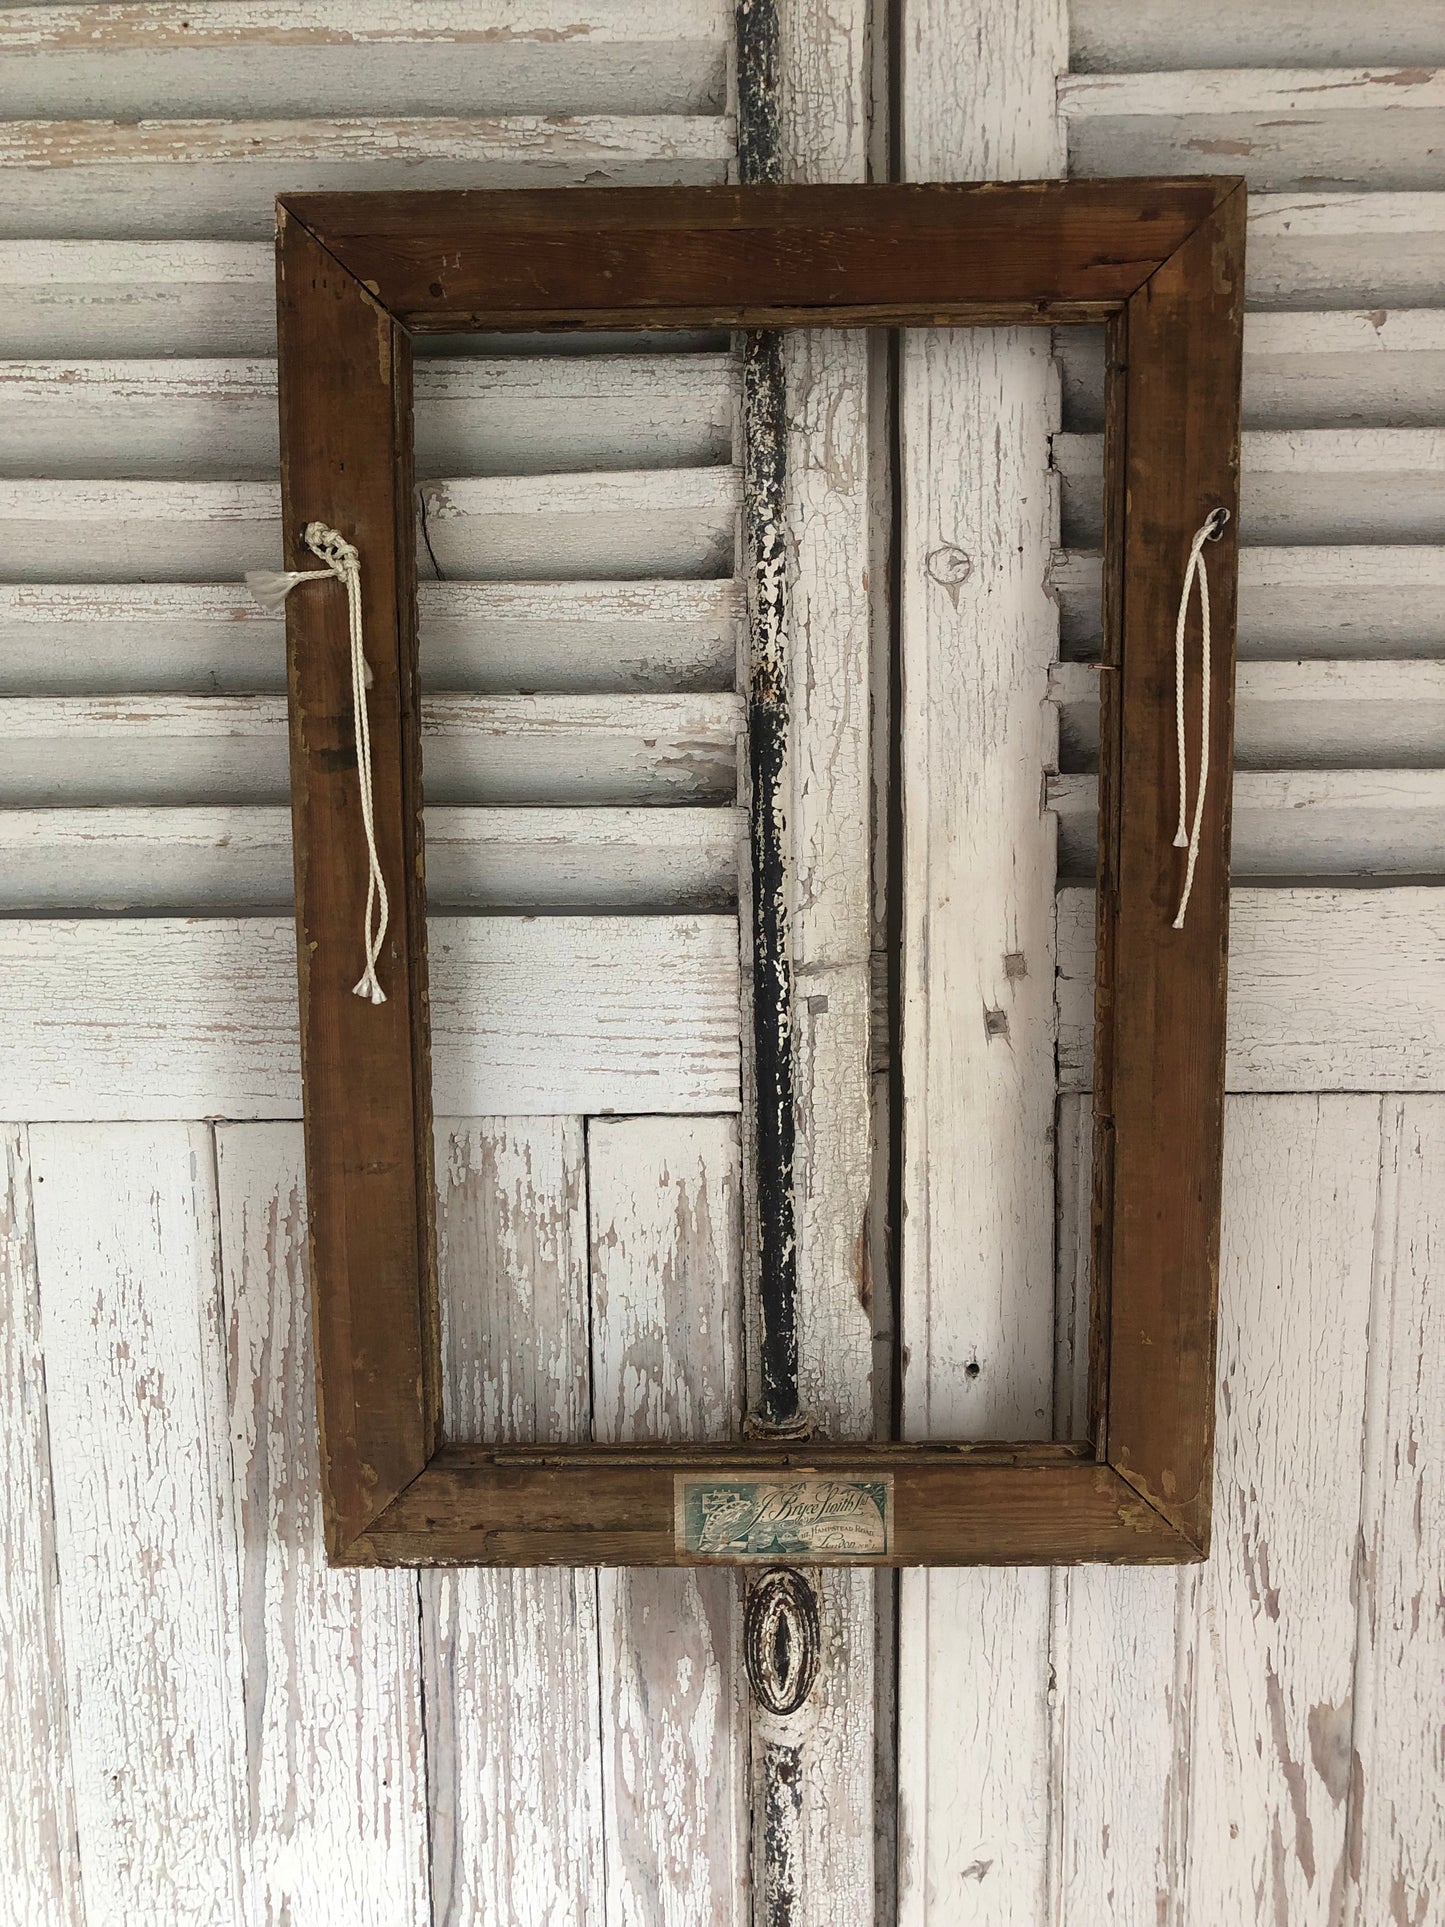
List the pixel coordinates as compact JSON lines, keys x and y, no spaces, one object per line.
{"x":545,"y":56}
{"x":145,"y":1522}
{"x":1338,"y":249}
{"x":66,"y":862}
{"x":1269,"y":1755}
{"x":1290,"y":823}
{"x":1107,"y":36}
{"x":1300,"y":485}
{"x":1370,"y":1023}
{"x":219,"y":179}
{"x":817,"y":1859}
{"x":1395,"y":1841}
{"x":1308,"y":715}
{"x":39,"y":1847}
{"x":623,"y":523}
{"x":665,"y":1218}
{"x":519,"y":749}
{"x":335,"y":1767}
{"x":486,"y":637}
{"x":345,"y":393}
{"x":1368,"y":367}
{"x":161,"y":1017}
{"x":1202,"y":1720}
{"x":978,"y":633}
{"x":1374,"y":600}
{"x":514,"y":1719}
{"x":1304,"y":128}
{"x":210,"y":418}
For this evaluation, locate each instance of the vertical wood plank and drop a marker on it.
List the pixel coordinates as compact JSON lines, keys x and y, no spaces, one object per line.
{"x":1159,"y":1050}
{"x":512,"y":1681}
{"x":666,"y":1287}
{"x":346,"y":439}
{"x":126,"y":1240}
{"x":1203,"y":1716}
{"x":823,"y":136}
{"x":1276,"y":1628}
{"x":331,"y":1659}
{"x":1395,"y":1861}
{"x":979,"y":519}
{"x":39,"y":1862}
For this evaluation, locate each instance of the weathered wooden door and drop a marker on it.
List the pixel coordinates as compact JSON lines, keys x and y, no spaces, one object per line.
{"x":214,"y":1729}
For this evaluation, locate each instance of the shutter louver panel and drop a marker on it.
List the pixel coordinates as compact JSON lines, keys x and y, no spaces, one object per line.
{"x":580,"y":498}
{"x":1336,"y":119}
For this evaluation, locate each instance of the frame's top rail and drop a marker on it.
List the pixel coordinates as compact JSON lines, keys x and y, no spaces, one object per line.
{"x":759,"y":257}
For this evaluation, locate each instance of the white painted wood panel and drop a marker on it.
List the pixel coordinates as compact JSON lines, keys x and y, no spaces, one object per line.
{"x":1120,"y":36}
{"x":978,"y":520}
{"x":1329,"y":990}
{"x":489,"y":637}
{"x":665,"y":1215}
{"x":38,"y":1845}
{"x":1297,"y":715}
{"x":206,"y":418}
{"x":1283,"y":128}
{"x":1322,"y":485}
{"x":218,"y":179}
{"x":1202,"y":1717}
{"x":161,"y":1017}
{"x":1378,"y":367}
{"x":87,"y":751}
{"x":60,"y":862}
{"x":1335,"y":249}
{"x":335,"y":1764}
{"x":1297,"y":823}
{"x":1380,"y":600}
{"x":625,"y":524}
{"x":823,"y":1833}
{"x":363,"y":57}
{"x":1269,"y":1757}
{"x":514,"y":1718}
{"x":1395,"y":1864}
{"x":146,"y":1545}
{"x":190,"y":297}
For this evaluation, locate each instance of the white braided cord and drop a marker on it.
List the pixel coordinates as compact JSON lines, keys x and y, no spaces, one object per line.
{"x":1188,"y":833}
{"x":271,"y":588}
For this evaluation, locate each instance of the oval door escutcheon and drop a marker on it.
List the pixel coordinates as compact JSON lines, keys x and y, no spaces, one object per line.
{"x":782,"y":1639}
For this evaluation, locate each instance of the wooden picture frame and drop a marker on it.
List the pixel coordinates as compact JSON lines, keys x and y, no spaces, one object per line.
{"x":1161,"y":264}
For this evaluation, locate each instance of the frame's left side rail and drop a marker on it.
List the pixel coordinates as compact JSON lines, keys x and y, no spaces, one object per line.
{"x":345,"y":376}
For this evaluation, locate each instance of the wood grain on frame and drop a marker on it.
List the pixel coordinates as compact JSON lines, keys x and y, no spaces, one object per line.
{"x":759,"y":257}
{"x":1163,"y":259}
{"x":1159,"y":1056}
{"x":345,"y":381}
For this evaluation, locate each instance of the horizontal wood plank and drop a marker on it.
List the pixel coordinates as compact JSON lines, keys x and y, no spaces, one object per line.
{"x":1380,"y":367}
{"x":761,"y":256}
{"x":443,"y":56}
{"x":1385,"y":599}
{"x":1326,"y":485}
{"x":1120,"y":36}
{"x":624,"y":524}
{"x":1333,"y":822}
{"x":617,"y":750}
{"x":1296,"y":715}
{"x":218,"y":179}
{"x":1281,"y":128}
{"x":496,"y":637}
{"x":1329,"y":990}
{"x":208,"y":417}
{"x":492,"y":1506}
{"x":220,"y":861}
{"x":1339,"y":249}
{"x":161,"y":1018}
